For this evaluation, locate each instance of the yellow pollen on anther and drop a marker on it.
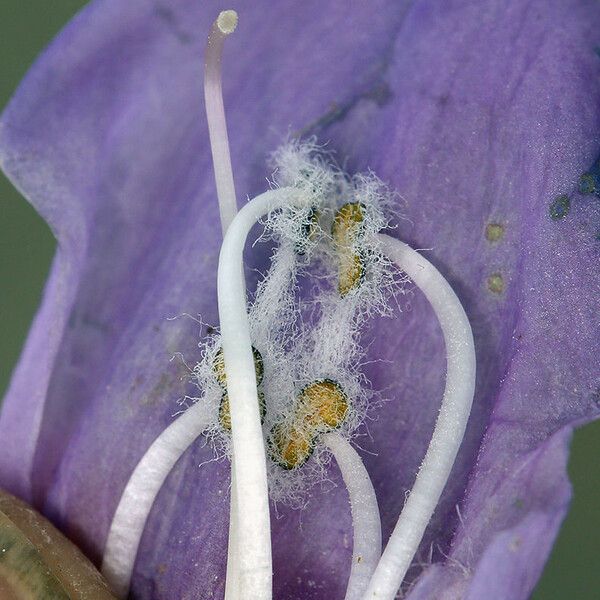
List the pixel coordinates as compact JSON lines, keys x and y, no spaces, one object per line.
{"x":322,"y":406}
{"x":291,"y":445}
{"x":347,"y":227}
{"x":323,"y":403}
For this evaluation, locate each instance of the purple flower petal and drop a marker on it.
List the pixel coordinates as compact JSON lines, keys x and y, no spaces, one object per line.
{"x":478,"y":114}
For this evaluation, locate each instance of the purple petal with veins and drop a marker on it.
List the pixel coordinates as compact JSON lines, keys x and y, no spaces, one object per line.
{"x":482,"y":116}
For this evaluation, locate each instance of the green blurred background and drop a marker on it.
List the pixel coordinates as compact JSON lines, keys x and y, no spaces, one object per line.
{"x":27,"y":246}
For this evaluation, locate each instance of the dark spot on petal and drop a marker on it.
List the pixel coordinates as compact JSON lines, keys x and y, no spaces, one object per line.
{"x":380,"y":93}
{"x":137,"y":382}
{"x":494,"y":232}
{"x":495,"y":283}
{"x":515,"y":544}
{"x":596,"y":396}
{"x":161,"y":390}
{"x":335,"y":113}
{"x":588,"y":184}
{"x":93,"y":323}
{"x":597,"y":51}
{"x":79,"y":320}
{"x":559,"y":208}
{"x":167,"y":15}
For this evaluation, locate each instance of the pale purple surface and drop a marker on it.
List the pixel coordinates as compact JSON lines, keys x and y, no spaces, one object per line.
{"x":475,"y":112}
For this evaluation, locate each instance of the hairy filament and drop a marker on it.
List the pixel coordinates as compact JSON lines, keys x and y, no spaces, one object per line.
{"x":140,"y":492}
{"x":223,"y":26}
{"x":272,"y":304}
{"x":450,"y":425}
{"x":366,"y":523}
{"x":249,"y":465}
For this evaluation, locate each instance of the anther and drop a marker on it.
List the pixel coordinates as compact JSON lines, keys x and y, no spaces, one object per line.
{"x":291,"y":445}
{"x":321,"y":407}
{"x":346,"y":229}
{"x":309,"y":231}
{"x":323,"y":404}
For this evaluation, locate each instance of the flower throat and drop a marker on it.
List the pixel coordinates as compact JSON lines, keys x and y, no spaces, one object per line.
{"x":280,"y":386}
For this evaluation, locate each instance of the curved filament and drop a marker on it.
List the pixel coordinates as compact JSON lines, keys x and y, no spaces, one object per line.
{"x":249,"y":473}
{"x":450,"y":425}
{"x":366,"y":524}
{"x":140,"y":492}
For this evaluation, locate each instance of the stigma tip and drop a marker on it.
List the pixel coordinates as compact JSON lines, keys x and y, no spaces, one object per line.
{"x":227,"y":21}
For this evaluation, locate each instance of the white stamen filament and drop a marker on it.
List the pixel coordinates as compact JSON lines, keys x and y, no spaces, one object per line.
{"x":450,"y":425}
{"x":232,"y":576}
{"x":254,"y":564}
{"x":366,"y":523}
{"x":223,"y":26}
{"x":140,"y":492}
